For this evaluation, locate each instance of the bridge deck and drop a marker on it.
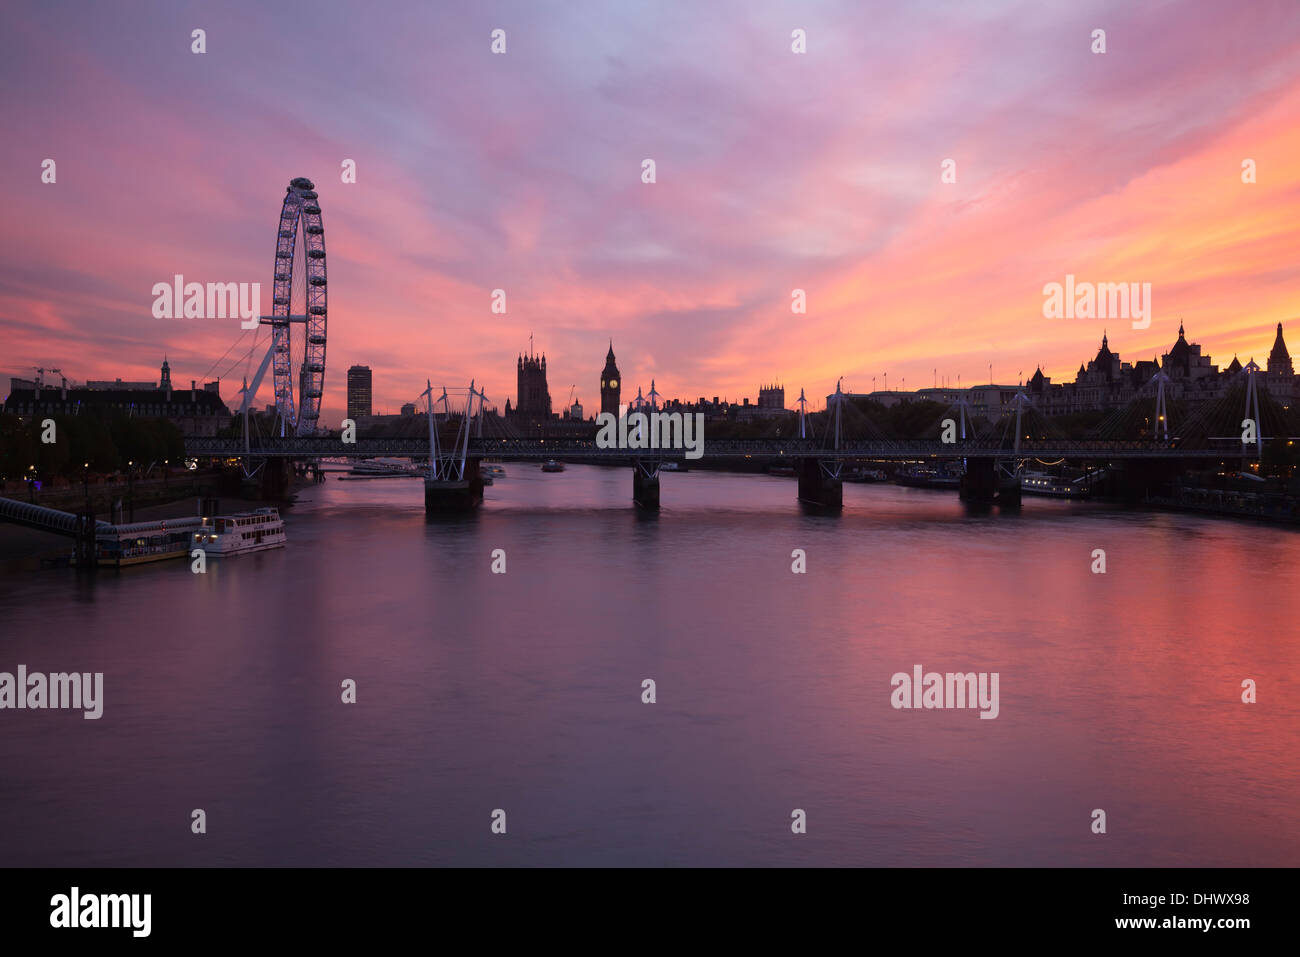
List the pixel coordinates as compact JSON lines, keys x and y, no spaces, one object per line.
{"x":327,"y":447}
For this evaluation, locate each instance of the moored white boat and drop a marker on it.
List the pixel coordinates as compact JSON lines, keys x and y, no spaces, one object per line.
{"x":255,"y":531}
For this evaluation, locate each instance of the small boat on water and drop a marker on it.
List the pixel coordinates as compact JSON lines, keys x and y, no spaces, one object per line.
{"x":924,"y":476}
{"x":1057,"y":486}
{"x":381,"y":468}
{"x":671,"y":467}
{"x":496,"y":471}
{"x":550,"y":465}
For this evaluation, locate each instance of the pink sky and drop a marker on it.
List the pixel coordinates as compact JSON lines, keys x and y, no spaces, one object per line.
{"x":775,"y":171}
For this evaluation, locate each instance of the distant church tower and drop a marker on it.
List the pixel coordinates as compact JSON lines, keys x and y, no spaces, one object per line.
{"x":610,"y":384}
{"x":1279,"y":360}
{"x":166,"y":382}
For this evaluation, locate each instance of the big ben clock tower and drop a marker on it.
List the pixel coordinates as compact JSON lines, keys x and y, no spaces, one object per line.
{"x":610,"y":384}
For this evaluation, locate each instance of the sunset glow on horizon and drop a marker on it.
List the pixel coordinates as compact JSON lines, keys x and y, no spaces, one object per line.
{"x":775,"y":172}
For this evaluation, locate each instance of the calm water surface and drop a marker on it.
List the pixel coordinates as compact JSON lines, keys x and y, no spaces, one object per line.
{"x":523,"y":691}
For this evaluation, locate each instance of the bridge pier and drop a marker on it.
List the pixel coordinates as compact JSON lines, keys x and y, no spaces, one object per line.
{"x":84,"y":544}
{"x":979,"y":483}
{"x":819,"y":484}
{"x":1008,"y":495}
{"x":455,"y":495}
{"x":275,"y":479}
{"x":984,"y":483}
{"x":645,"y":484}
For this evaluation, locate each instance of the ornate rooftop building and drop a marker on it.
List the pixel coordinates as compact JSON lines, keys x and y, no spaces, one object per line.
{"x":1106,"y":382}
{"x":1184,"y":360}
{"x":1279,"y":360}
{"x":534,"y":399}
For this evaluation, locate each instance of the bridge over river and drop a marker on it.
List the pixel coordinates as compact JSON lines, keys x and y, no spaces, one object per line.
{"x":1138,"y":440}
{"x":540,"y":449}
{"x":990,"y":468}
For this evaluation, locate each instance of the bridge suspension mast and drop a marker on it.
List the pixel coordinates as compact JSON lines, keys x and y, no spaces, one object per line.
{"x":1021,"y":400}
{"x":839,"y":401}
{"x":963,"y":415}
{"x":435,"y":452}
{"x":249,"y":392}
{"x":482,"y":400}
{"x":1162,"y":412}
{"x":1252,"y":409}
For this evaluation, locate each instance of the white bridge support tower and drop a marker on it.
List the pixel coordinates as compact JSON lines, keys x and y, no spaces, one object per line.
{"x":452,"y":482}
{"x":1251,"y":413}
{"x":820,"y":485}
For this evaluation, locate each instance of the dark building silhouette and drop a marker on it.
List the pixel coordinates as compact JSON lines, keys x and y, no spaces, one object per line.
{"x":1279,"y":360}
{"x":1107,"y":383}
{"x":610,"y":384}
{"x":534,"y":400}
{"x":197,"y":410}
{"x":360,"y":392}
{"x":1184,"y":360}
{"x":771,"y":397}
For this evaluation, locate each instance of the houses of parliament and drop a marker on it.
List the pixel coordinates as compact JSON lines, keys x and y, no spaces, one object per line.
{"x":533,"y":397}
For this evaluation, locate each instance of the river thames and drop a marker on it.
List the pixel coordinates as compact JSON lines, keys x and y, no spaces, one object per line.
{"x":522,"y":691}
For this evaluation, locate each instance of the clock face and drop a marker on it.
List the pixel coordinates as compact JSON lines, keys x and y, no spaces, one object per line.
{"x":613,"y":383}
